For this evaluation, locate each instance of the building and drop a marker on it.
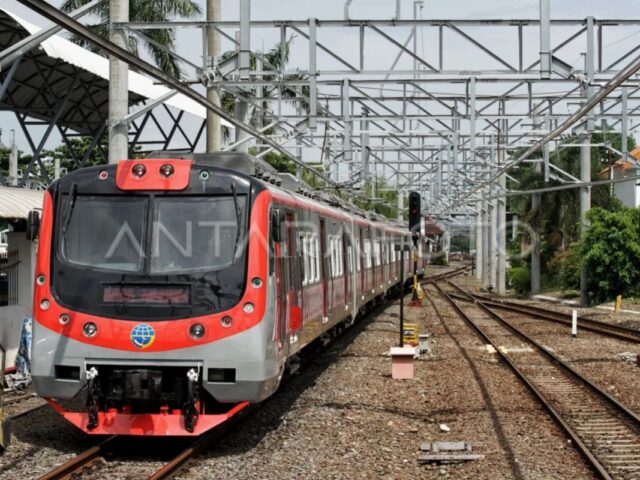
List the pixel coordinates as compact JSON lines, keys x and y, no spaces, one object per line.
{"x":627,"y":192}
{"x":17,"y":266}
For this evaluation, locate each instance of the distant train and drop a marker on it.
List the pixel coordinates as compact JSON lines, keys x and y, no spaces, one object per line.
{"x":171,"y":291}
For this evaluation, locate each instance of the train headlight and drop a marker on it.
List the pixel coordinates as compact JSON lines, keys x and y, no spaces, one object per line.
{"x":166,"y":170}
{"x":45,"y":304}
{"x":63,"y":319}
{"x":196,"y":330}
{"x":226,"y":321}
{"x":89,"y":329}
{"x":248,"y":307}
{"x":139,"y":170}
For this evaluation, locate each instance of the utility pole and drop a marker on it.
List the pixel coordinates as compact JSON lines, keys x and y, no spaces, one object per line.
{"x":585,"y":152}
{"x":585,"y":204}
{"x":118,"y":84}
{"x":214,"y":130}
{"x":241,"y":108}
{"x":13,"y":161}
{"x":502,"y":204}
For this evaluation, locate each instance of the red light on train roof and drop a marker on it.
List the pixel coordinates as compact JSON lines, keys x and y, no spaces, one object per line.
{"x":167,"y":170}
{"x":153,"y":174}
{"x":139,"y":170}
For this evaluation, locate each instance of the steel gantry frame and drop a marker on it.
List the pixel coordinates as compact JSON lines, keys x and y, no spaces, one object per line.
{"x":416,"y":118}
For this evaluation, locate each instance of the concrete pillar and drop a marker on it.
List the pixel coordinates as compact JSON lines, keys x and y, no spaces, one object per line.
{"x":241,"y":108}
{"x":486,"y":244}
{"x":501,"y":285}
{"x":400,"y":204}
{"x":536,"y":199}
{"x":535,"y":250}
{"x":585,"y":204}
{"x":493,"y":247}
{"x":13,"y":165}
{"x":118,"y":85}
{"x":478,"y":240}
{"x":214,"y":126}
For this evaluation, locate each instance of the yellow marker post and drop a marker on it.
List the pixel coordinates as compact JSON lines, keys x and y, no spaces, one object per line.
{"x":618,"y":306}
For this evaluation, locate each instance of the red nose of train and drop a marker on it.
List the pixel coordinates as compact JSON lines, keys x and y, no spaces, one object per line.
{"x":153,"y":174}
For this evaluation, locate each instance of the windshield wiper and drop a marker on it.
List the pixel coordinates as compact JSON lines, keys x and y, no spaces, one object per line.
{"x":238,"y":219}
{"x":67,"y":216}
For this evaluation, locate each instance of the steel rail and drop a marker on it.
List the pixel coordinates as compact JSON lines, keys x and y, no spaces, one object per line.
{"x":616,"y":331}
{"x":180,"y":461}
{"x":83,"y":460}
{"x":444,"y":275}
{"x":582,"y":447}
{"x":620,"y":409}
{"x":613,"y":401}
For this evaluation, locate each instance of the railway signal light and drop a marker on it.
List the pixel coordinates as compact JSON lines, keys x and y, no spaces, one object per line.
{"x":414,"y":214}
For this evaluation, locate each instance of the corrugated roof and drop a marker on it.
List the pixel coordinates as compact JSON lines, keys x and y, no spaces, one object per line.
{"x":16,"y":203}
{"x":61,"y":60}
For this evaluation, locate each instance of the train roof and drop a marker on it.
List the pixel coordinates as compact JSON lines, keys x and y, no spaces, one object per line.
{"x":281,"y":181}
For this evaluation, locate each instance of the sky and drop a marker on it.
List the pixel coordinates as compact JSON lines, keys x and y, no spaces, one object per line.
{"x":379,"y":53}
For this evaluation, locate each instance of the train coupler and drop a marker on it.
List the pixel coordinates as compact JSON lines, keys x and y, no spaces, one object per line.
{"x":191,"y":407}
{"x":93,"y":394}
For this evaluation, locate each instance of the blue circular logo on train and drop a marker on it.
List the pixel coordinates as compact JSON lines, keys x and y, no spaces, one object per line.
{"x":143,"y":335}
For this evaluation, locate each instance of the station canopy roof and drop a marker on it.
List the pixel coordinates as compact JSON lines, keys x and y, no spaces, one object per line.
{"x":16,"y":203}
{"x":48,"y":72}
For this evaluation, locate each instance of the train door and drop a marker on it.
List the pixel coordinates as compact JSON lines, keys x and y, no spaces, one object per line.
{"x":323,"y":272}
{"x":346,"y":266}
{"x":294,"y":292}
{"x":279,"y":249}
{"x":363,"y":265}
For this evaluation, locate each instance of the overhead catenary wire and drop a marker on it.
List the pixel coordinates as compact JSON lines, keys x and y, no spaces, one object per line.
{"x":595,"y":100}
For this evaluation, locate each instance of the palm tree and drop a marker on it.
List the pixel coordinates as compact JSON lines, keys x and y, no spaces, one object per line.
{"x":157,"y":42}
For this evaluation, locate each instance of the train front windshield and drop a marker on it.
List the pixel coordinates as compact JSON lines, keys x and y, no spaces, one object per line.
{"x":149,"y":251}
{"x":173,"y":235}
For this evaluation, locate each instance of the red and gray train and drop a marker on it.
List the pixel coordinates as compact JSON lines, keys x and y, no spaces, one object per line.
{"x":172,"y":292}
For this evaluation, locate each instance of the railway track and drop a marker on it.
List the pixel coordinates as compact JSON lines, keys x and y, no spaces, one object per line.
{"x":604,"y":328}
{"x":94,"y":455}
{"x":111,"y":446}
{"x":606,"y":432}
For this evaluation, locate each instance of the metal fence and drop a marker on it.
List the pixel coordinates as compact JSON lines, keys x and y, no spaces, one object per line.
{"x":9,"y":278}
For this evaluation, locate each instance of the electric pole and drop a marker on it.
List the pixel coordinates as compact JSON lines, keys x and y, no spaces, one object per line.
{"x":214,"y":130}
{"x":118,"y":85}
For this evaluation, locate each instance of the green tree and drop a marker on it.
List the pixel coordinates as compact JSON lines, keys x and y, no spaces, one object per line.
{"x":460,"y":243}
{"x":610,"y":250}
{"x":143,"y":11}
{"x":557,"y":221}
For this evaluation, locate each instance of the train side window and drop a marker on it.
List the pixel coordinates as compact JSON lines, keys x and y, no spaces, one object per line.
{"x":316,"y":257}
{"x":339,"y":249}
{"x":334,"y":257}
{"x":336,"y":263}
{"x":310,"y":255}
{"x":305,"y":257}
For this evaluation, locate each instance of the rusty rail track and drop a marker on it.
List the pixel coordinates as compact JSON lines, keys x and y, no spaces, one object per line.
{"x":597,"y":326}
{"x":605,"y":432}
{"x":81,"y":461}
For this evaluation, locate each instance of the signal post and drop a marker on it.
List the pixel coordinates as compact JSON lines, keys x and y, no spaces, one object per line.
{"x":414,"y":226}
